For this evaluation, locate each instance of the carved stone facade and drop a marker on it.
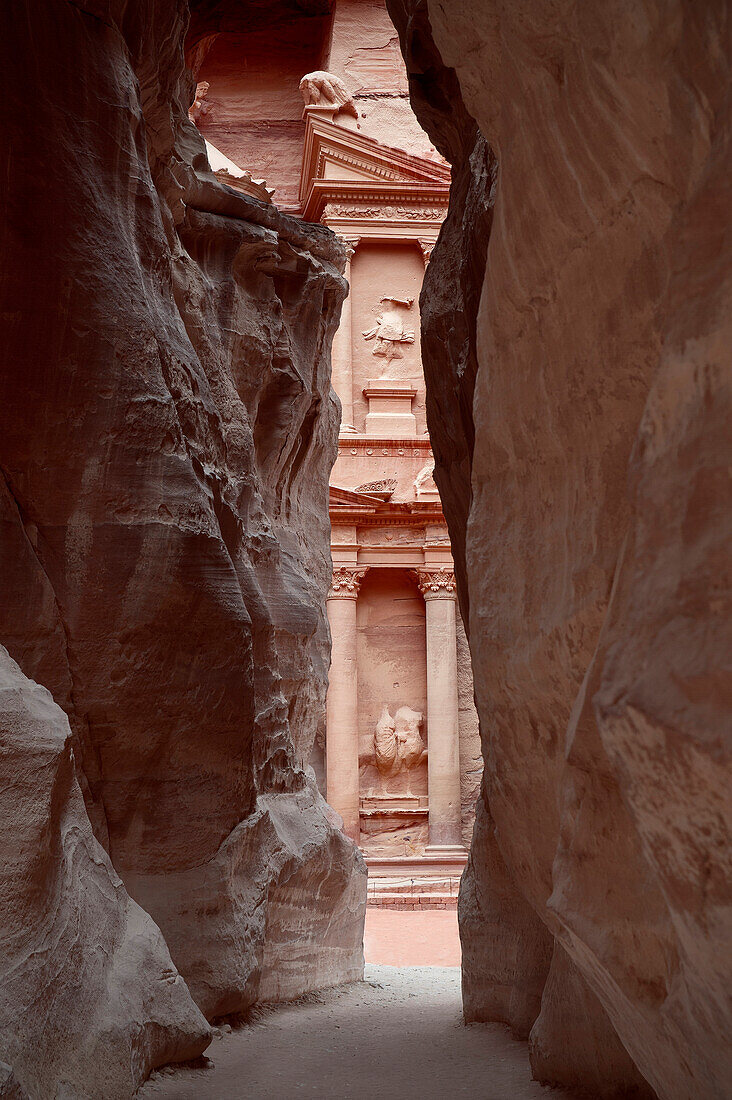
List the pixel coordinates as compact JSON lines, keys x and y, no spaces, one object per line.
{"x":413,"y":732}
{"x":400,"y":761}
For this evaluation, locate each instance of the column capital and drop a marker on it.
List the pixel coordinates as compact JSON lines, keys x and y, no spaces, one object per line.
{"x":346,"y":582}
{"x":436,"y":584}
{"x":426,"y":247}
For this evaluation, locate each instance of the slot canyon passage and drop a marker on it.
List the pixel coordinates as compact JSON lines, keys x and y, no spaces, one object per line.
{"x":502,"y":229}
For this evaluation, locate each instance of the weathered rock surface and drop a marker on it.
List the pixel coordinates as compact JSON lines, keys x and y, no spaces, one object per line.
{"x":90,"y":1000}
{"x":594,"y":507}
{"x":572,"y":1041}
{"x":9,"y":1087}
{"x":166,"y":432}
{"x":277,"y":911}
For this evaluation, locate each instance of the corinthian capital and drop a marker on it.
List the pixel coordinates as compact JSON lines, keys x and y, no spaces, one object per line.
{"x":346,"y":581}
{"x":435,"y":584}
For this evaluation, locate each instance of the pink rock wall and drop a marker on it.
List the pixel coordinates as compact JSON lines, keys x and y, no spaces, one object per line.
{"x":166,"y":432}
{"x":253,"y":56}
{"x":90,"y":1000}
{"x":252,"y":111}
{"x":364,"y":51}
{"x":586,"y":501}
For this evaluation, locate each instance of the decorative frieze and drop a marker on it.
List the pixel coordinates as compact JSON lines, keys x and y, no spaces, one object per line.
{"x":386,"y":485}
{"x":346,"y":581}
{"x":419,"y":447}
{"x":387,"y":212}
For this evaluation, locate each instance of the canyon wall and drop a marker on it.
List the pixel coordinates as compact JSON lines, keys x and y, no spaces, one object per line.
{"x":89,"y":994}
{"x":166,"y":432}
{"x":576,"y":330}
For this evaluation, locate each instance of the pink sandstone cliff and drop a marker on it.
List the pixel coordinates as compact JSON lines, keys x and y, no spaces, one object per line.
{"x":579,"y":412}
{"x":86,"y":975}
{"x":166,"y":432}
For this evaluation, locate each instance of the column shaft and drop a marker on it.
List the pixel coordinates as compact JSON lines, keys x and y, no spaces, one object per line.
{"x":443,"y":757}
{"x":342,"y":702}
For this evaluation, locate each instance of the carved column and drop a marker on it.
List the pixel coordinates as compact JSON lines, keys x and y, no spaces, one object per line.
{"x":443,"y":744}
{"x":342,"y":353}
{"x":342,"y":703}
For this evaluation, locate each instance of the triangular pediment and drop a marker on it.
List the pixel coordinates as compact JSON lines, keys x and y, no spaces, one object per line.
{"x":348,"y":498}
{"x":335,"y":153}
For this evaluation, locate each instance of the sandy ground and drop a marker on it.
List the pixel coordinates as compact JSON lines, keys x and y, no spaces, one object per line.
{"x":397,"y":938}
{"x":397,"y":1034}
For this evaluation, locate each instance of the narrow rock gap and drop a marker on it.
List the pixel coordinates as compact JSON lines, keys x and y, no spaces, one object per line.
{"x":364,"y":550}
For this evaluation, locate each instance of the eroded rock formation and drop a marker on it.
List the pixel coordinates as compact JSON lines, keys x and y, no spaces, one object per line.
{"x":578,"y":412}
{"x":80,"y":962}
{"x":166,"y":432}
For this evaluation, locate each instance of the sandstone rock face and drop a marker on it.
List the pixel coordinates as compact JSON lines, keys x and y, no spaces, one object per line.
{"x":90,"y":1000}
{"x":594,"y":507}
{"x":9,"y":1087}
{"x":572,"y":1019}
{"x":166,"y":432}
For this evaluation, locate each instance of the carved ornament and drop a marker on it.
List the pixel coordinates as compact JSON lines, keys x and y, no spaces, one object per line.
{"x":346,"y":581}
{"x":199,"y":107}
{"x":384,"y":213}
{"x":426,"y":247}
{"x":386,"y":485}
{"x":327,"y":92}
{"x":436,"y":583}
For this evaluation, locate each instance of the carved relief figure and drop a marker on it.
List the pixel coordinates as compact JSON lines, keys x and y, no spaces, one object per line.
{"x":424,"y":481}
{"x":411,"y":746}
{"x":198,"y":107}
{"x":397,"y":741}
{"x":385,"y":745}
{"x":389,"y":331}
{"x":321,"y":89}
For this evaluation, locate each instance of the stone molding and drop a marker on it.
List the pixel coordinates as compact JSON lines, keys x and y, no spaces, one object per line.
{"x":414,"y":211}
{"x":346,"y":582}
{"x":436,"y":584}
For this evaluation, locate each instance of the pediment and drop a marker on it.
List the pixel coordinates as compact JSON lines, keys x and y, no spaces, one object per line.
{"x":335,"y":153}
{"x":349,"y":498}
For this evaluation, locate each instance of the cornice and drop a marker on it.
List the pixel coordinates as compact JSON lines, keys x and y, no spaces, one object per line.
{"x":385,"y":447}
{"x":393,"y":391}
{"x":391,"y":200}
{"x":428,"y":513}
